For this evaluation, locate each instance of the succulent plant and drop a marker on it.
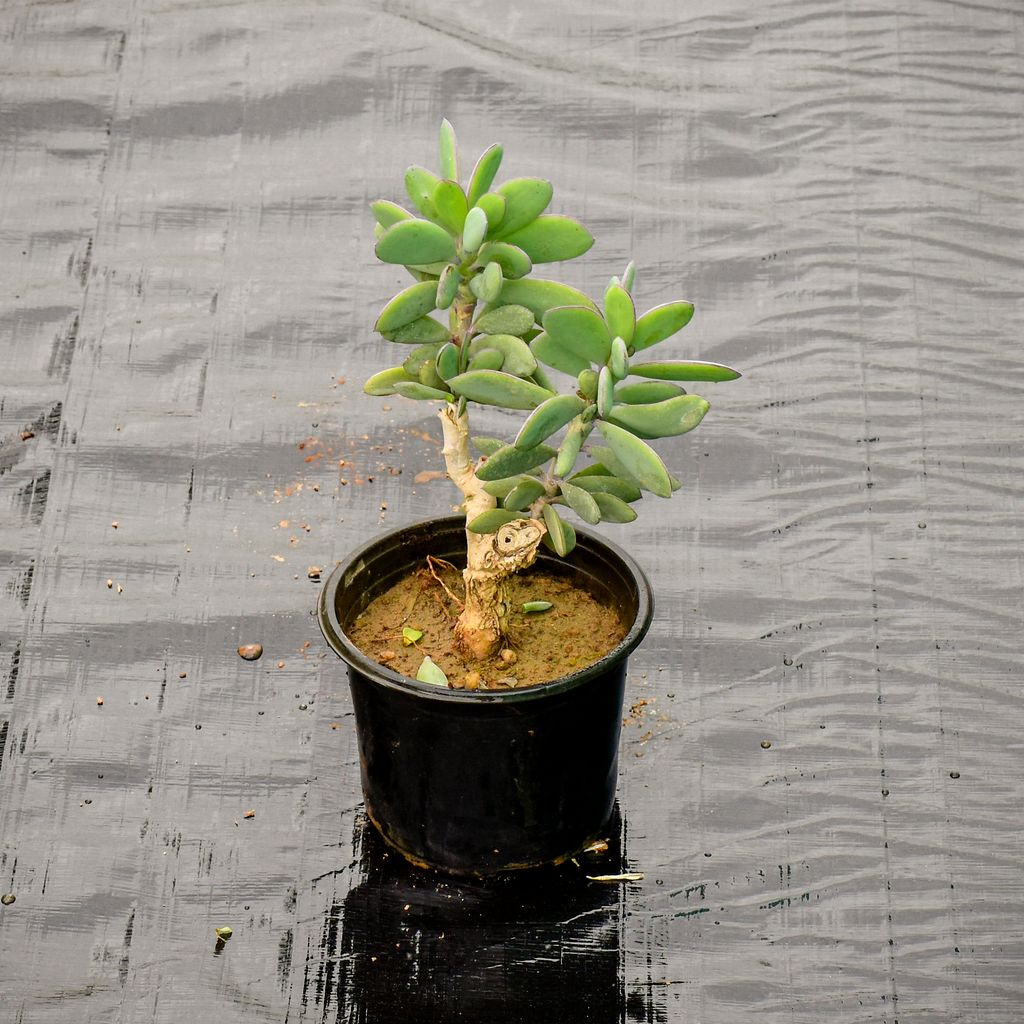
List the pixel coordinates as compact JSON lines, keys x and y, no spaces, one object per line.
{"x":471,"y":250}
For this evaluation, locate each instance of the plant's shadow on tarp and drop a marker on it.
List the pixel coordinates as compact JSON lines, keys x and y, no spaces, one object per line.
{"x":409,"y":944}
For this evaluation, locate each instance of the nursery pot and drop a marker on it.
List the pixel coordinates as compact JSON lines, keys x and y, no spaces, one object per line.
{"x":484,"y":782}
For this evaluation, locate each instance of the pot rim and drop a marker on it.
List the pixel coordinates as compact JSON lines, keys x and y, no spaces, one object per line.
{"x":339,"y":642}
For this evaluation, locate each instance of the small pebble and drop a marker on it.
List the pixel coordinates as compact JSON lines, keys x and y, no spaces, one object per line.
{"x":115,"y":524}
{"x":509,"y":656}
{"x":120,"y":589}
{"x":472,"y":680}
{"x":280,"y":664}
{"x":99,"y":701}
{"x":110,"y":584}
{"x":954,"y":775}
{"x":766,"y":744}
{"x":249,"y":814}
{"x":314,"y":572}
{"x":251,"y":652}
{"x":182,"y":675}
{"x":8,"y":898}
{"x":386,"y":656}
{"x":224,"y":933}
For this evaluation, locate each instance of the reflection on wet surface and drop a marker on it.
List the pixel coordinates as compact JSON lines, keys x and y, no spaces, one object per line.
{"x":820,"y":762}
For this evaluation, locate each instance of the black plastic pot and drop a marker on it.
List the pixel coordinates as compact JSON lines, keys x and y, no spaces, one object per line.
{"x":483,"y":782}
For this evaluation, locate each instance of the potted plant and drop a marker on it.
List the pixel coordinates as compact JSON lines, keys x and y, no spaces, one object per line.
{"x":488,"y":733}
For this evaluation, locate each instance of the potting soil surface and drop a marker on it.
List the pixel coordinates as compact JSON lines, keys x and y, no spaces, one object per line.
{"x":819,"y":791}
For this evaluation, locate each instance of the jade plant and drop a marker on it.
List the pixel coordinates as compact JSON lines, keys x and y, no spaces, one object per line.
{"x":590,"y":395}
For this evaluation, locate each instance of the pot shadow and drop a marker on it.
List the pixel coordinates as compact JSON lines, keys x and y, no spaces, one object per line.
{"x":411,"y":944}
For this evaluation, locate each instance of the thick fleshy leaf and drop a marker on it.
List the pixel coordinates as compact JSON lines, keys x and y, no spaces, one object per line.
{"x":524,"y":494}
{"x":447,"y":361}
{"x":536,"y":606}
{"x":586,"y":381}
{"x":513,"y":261}
{"x":492,"y":520}
{"x":629,"y":276}
{"x":420,"y":355}
{"x":415,"y":242}
{"x":539,"y":295}
{"x":608,"y":466}
{"x":487,"y":445}
{"x":450,"y":201}
{"x":613,"y":509}
{"x":486,"y":359}
{"x":540,"y":378}
{"x":486,"y":286}
{"x":447,"y":287}
{"x":416,"y":301}
{"x":643,"y":392}
{"x":474,"y":231}
{"x":387,"y":213}
{"x":605,"y":391}
{"x":552,"y":239}
{"x":620,"y":312}
{"x":661,"y":419}
{"x":383,"y":383}
{"x":581,"y":330}
{"x":515,"y":320}
{"x":569,"y":450}
{"x":511,"y":461}
{"x":660,"y":323}
{"x":518,"y":359}
{"x":501,"y":489}
{"x":484,"y":172}
{"x":493,"y":206}
{"x":428,"y":375}
{"x":420,"y":331}
{"x":547,"y":418}
{"x":556,"y":356}
{"x":525,"y":199}
{"x":422,"y":392}
{"x":561,"y":537}
{"x":430,"y":672}
{"x":675,"y":370}
{"x":420,"y":184}
{"x":595,"y":482}
{"x":581,"y":502}
{"x":618,"y":362}
{"x":448,"y":150}
{"x":491,"y":387}
{"x":643,"y":462}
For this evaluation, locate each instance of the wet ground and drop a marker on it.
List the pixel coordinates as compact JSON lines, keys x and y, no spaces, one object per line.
{"x":820,"y":776}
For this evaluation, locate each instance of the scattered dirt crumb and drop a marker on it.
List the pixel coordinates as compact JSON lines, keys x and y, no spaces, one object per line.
{"x":251,"y":652}
{"x":249,"y":814}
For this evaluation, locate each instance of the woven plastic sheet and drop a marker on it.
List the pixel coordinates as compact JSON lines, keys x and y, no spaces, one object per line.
{"x":820,"y":767}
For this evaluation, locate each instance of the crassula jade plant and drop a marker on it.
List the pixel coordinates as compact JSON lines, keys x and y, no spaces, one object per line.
{"x":471,"y":248}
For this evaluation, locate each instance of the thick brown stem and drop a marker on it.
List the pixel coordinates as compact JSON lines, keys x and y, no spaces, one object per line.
{"x":490,"y":558}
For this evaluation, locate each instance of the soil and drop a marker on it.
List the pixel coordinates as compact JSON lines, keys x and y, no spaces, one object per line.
{"x":575,"y":632}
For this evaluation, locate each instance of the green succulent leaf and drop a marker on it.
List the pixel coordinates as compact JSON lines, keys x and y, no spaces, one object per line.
{"x":605,"y":391}
{"x":643,"y":462}
{"x":539,"y":295}
{"x":549,"y":352}
{"x":629,"y":276}
{"x":536,"y":606}
{"x":491,"y":387}
{"x":383,"y":383}
{"x":492,"y":520}
{"x":525,"y":199}
{"x":387,"y":213}
{"x":502,"y":488}
{"x":410,"y":635}
{"x":643,"y":392}
{"x":552,"y":239}
{"x":608,"y":466}
{"x":524,"y":494}
{"x":660,"y":323}
{"x":661,"y":419}
{"x":420,"y":331}
{"x":422,"y":392}
{"x":420,"y":184}
{"x":493,"y":206}
{"x":483,"y":174}
{"x":596,"y":483}
{"x":415,"y":242}
{"x":540,"y":378}
{"x":674,"y":370}
{"x":516,"y":355}
{"x":487,"y":359}
{"x":487,"y":445}
{"x":416,"y":301}
{"x":561,"y":537}
{"x":586,"y":381}
{"x":474,"y":231}
{"x":429,"y":672}
{"x":513,"y":261}
{"x":569,"y":450}
{"x":447,"y":361}
{"x":613,"y":509}
{"x":620,"y":312}
{"x":581,"y":330}
{"x":448,"y":148}
{"x":581,"y":502}
{"x":447,"y":287}
{"x":486,"y":286}
{"x":451,"y":204}
{"x":511,"y":461}
{"x":419,"y":356}
{"x":547,"y":418}
{"x":618,"y":363}
{"x":515,"y":320}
